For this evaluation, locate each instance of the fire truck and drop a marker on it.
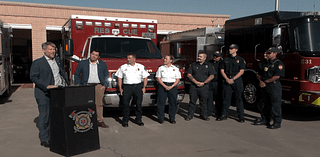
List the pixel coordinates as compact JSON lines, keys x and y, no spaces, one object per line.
{"x":298,"y":35}
{"x":6,"y":72}
{"x":186,"y":45}
{"x":115,"y":38}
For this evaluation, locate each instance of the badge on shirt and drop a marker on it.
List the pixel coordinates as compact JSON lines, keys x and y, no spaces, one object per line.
{"x":174,"y":69}
{"x":265,"y":68}
{"x":206,"y":66}
{"x":237,"y":61}
{"x":280,"y":67}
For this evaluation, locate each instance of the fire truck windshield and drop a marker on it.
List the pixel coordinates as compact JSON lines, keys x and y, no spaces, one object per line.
{"x":120,"y":47}
{"x":308,"y":38}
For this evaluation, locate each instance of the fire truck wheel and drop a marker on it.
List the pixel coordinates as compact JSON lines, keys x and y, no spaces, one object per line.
{"x":251,"y":93}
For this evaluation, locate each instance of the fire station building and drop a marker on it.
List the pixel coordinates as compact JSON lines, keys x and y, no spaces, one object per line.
{"x":34,"y":24}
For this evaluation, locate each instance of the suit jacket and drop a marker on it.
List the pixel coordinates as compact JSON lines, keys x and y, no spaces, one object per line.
{"x":41,"y":75}
{"x":84,"y":69}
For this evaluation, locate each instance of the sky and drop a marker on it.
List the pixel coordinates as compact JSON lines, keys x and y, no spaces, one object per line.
{"x":234,"y":8}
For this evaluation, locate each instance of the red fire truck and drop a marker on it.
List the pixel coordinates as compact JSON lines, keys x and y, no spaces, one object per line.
{"x":115,"y":37}
{"x":6,"y":72}
{"x":298,"y":34}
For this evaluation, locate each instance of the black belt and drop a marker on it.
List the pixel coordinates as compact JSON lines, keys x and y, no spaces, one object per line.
{"x":92,"y":84}
{"x":133,"y":84}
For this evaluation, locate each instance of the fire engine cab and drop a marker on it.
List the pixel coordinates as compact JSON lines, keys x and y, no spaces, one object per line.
{"x":298,"y":35}
{"x":115,"y":38}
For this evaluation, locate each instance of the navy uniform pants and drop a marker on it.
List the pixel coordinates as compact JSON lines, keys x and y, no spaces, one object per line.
{"x":260,"y":104}
{"x":163,"y":94}
{"x":216,"y":96}
{"x":43,"y":119}
{"x":134,"y":90}
{"x":237,"y":88}
{"x":201,"y":93}
{"x":272,"y":105}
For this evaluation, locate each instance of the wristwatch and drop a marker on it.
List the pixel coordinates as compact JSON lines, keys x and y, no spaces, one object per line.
{"x":233,"y":79}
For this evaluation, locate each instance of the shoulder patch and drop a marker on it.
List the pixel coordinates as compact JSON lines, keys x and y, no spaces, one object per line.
{"x":280,"y":67}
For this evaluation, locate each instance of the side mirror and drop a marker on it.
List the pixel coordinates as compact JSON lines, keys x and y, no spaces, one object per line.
{"x":177,"y":50}
{"x":276,"y":36}
{"x":68,"y":47}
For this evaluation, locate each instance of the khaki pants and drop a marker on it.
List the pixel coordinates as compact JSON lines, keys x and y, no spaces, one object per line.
{"x":98,"y":99}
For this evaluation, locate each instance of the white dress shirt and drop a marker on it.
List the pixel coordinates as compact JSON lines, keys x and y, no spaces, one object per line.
{"x":55,"y":71}
{"x":168,"y":74}
{"x":93,"y":73}
{"x":132,"y":74}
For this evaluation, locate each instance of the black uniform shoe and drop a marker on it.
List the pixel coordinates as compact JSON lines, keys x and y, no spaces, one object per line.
{"x":161,"y":121}
{"x":45,"y":144}
{"x":274,"y":126}
{"x":140,"y":123}
{"x":241,"y":120}
{"x":205,"y":118}
{"x":188,"y":118}
{"x":125,"y":124}
{"x":223,"y":117}
{"x":172,"y":121}
{"x":260,"y":123}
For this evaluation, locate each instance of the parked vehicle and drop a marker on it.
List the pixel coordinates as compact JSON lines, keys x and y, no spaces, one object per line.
{"x":115,"y":37}
{"x":298,"y":35}
{"x":6,"y":72}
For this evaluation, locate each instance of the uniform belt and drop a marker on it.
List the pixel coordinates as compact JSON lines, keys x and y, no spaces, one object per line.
{"x":168,"y":83}
{"x":231,"y":76}
{"x":137,"y":84}
{"x":92,"y":84}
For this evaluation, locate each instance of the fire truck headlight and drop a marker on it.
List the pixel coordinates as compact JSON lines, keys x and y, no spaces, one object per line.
{"x":313,"y":74}
{"x":113,"y":81}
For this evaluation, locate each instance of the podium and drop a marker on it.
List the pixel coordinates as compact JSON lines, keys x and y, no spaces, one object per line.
{"x":73,"y":120}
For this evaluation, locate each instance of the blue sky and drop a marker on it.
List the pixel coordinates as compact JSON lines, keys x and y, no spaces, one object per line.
{"x":235,"y":8}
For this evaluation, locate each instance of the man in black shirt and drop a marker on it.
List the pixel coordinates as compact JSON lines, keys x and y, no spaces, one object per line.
{"x":215,"y":87}
{"x":232,"y":69}
{"x":270,"y":79}
{"x":200,"y":74}
{"x":260,"y":105}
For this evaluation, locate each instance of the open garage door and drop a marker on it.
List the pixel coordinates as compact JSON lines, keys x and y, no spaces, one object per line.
{"x":21,"y":52}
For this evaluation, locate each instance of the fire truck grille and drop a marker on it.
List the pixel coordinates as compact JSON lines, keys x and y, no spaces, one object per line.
{"x":152,"y":81}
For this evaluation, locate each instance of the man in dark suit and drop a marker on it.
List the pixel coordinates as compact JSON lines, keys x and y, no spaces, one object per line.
{"x":94,"y":72}
{"x":46,"y":72}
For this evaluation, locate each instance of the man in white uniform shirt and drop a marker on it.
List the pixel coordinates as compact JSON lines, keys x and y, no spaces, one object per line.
{"x":133,"y":77}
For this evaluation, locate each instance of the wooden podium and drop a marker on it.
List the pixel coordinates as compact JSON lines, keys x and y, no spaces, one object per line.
{"x":73,"y":120}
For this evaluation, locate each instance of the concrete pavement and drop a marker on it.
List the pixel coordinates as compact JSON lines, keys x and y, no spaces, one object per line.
{"x":298,"y":137}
